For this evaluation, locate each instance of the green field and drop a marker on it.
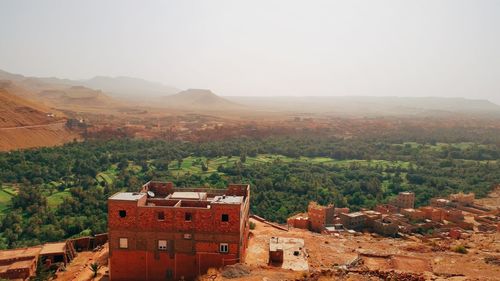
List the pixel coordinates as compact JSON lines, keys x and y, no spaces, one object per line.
{"x":192,"y":165}
{"x":57,"y":198}
{"x":4,"y":200}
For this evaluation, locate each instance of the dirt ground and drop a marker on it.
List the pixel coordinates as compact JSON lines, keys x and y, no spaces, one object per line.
{"x":378,"y":254}
{"x":79,"y":268}
{"x":493,"y":199}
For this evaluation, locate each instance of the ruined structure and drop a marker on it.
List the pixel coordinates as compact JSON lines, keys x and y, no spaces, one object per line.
{"x":168,"y":233}
{"x":462,"y":198}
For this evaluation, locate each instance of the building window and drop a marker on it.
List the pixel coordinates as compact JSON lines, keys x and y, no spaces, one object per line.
{"x":223,"y":248}
{"x":187,"y":236}
{"x":162,"y":245}
{"x":160,"y":216}
{"x":122,"y":213}
{"x":225,"y":217}
{"x":123,"y":243}
{"x":187,"y":216}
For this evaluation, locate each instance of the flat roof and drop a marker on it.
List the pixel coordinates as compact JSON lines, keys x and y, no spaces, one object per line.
{"x":18,"y":253}
{"x":356,"y":214}
{"x":228,"y":199}
{"x":188,"y":195}
{"x":53,"y":248}
{"x":127,"y":196}
{"x":285,"y":243}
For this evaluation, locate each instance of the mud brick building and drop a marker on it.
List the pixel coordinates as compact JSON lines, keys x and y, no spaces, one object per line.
{"x":299,"y":221}
{"x":320,"y":216}
{"x":405,"y":200}
{"x":19,"y":264}
{"x":354,"y":221}
{"x":169,"y":233}
{"x":413,"y":214}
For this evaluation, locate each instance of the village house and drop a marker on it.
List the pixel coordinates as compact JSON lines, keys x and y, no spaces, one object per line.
{"x":317,"y":218}
{"x":355,"y":221}
{"x":169,"y":233}
{"x":405,"y":200}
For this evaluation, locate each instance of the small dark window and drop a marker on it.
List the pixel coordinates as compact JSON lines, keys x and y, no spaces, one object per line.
{"x":122,"y":213}
{"x":223,"y":247}
{"x":187,"y":216}
{"x":58,"y":258}
{"x":225,"y":217}
{"x":161,"y":216}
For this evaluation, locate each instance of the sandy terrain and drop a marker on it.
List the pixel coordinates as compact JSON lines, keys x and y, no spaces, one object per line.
{"x":378,"y":254}
{"x":79,"y":269}
{"x":35,"y":136}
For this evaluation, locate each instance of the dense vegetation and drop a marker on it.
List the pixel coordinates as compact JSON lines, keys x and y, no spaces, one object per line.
{"x":53,"y":193}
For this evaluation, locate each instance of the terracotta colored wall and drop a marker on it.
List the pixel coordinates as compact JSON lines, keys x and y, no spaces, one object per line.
{"x":133,"y":265}
{"x":299,"y":223}
{"x":185,"y":257}
{"x":319,"y":217}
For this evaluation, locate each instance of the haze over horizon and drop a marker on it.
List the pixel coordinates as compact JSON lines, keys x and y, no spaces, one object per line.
{"x":262,"y":48}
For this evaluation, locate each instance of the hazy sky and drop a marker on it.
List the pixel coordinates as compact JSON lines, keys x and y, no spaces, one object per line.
{"x":405,"y":48}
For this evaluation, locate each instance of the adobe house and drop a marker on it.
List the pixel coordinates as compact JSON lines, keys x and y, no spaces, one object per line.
{"x":354,"y":221}
{"x":288,"y":253}
{"x":413,"y":214}
{"x":320,"y":216}
{"x":60,"y":252}
{"x":386,"y":209}
{"x":19,"y":264}
{"x":405,"y":200}
{"x":299,"y":221}
{"x":169,"y":233}
{"x":386,"y":226}
{"x":275,"y":251}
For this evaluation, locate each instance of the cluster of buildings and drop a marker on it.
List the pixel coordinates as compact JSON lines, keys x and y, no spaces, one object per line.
{"x":21,"y":264}
{"x":401,"y":217}
{"x":167,"y":233}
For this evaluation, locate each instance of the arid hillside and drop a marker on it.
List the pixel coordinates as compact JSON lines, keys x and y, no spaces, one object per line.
{"x":26,"y":124}
{"x":16,"y":111}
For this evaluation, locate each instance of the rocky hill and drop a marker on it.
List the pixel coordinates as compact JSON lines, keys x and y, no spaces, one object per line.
{"x":199,"y":100}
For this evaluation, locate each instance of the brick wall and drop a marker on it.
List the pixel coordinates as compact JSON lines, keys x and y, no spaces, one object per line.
{"x":193,"y":245}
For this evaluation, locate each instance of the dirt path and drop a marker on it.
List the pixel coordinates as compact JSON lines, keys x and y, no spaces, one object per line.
{"x":51,"y":125}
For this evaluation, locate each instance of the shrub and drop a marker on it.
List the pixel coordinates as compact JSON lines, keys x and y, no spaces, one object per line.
{"x":460,"y":249}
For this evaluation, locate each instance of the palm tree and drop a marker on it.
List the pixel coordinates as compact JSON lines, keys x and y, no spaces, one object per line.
{"x":94,"y":267}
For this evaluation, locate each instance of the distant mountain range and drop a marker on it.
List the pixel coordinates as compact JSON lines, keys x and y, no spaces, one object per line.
{"x":371,"y":106}
{"x":129,"y":87}
{"x":108,"y":92}
{"x":120,"y":87}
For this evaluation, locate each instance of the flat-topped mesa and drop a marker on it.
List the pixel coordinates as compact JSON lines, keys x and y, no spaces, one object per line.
{"x":180,"y":231}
